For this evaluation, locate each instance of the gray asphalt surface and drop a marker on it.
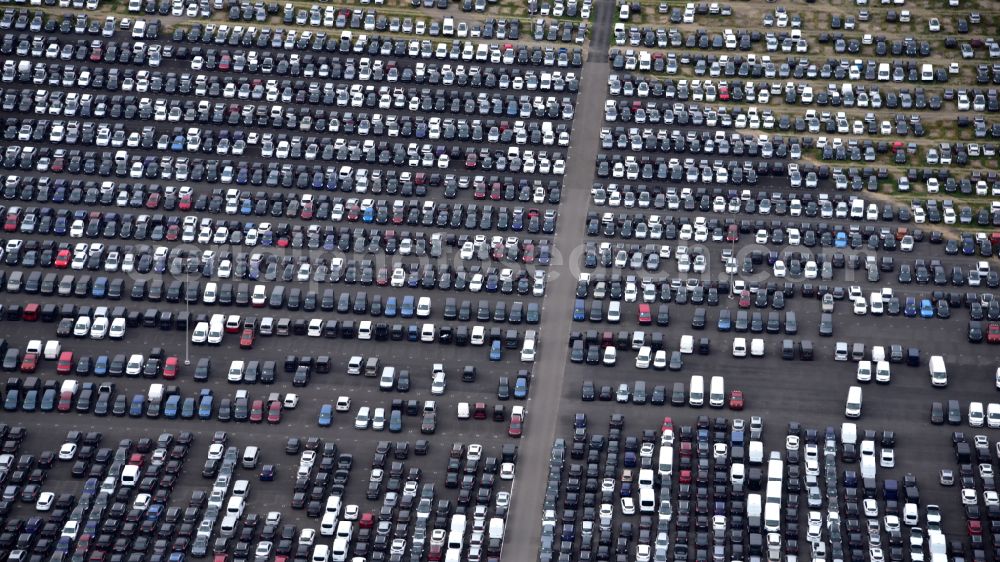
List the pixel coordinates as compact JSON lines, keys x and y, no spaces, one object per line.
{"x":545,"y":404}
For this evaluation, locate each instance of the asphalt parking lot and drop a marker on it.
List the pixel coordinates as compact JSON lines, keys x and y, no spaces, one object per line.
{"x":562,"y":203}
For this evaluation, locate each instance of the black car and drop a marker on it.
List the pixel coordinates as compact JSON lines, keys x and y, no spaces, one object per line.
{"x":503,"y":389}
{"x":937,"y":413}
{"x":586,"y":391}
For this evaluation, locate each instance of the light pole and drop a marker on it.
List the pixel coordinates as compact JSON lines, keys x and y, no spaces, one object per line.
{"x":187,"y":309}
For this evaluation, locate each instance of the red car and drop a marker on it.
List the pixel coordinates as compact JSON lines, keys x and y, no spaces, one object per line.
{"x":744,"y":299}
{"x":645,"y":315}
{"x":65,"y":363}
{"x":685,"y":477}
{"x":668,"y":423}
{"x":65,"y":401}
{"x":257,"y":411}
{"x":736,"y":400}
{"x":975,"y":528}
{"x":170,"y":368}
{"x":993,"y":333}
{"x":367,"y":521}
{"x":29,"y":363}
{"x":246,"y":339}
{"x":516,"y":426}
{"x":62,"y":259}
{"x":274,"y":412}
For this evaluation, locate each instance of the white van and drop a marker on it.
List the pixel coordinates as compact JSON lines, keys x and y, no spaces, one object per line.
{"x":753,"y":511}
{"x":235,"y":506}
{"x":883,"y":72}
{"x":455,"y":541}
{"x":251,"y":456}
{"x":665,"y":466}
{"x":644,"y":357}
{"x":927,"y":72}
{"x":235,"y":374}
{"x":328,"y":525}
{"x":496,"y":528}
{"x":757,"y":347}
{"x":939,"y":374}
{"x":458,"y":524}
{"x":364,"y":329}
{"x":52,"y":350}
{"x":849,"y":433}
{"x":333,"y":506}
{"x":647,"y":500}
{"x":339,"y":551}
{"x":875,"y":303}
{"x":134,"y":365}
{"x":478,"y":336}
{"x":868,"y":467}
{"x":614,"y":312}
{"x":363,"y":418}
{"x":717,"y":392}
{"x":130,"y":475}
{"x":756,"y":453}
{"x":977,"y":415}
{"x":739,"y":347}
{"x":696,"y":394}
{"x":993,"y":415}
{"x":463,"y":410}
{"x":428,"y":332}
{"x":228,"y":526}
{"x":996,"y":378}
{"x":853,"y":406}
{"x":528,"y":351}
{"x":387,"y":381}
{"x":864,"y":373}
{"x":321,"y":553}
{"x":241,"y":488}
{"x":423,"y":307}
{"x":345,"y":530}
{"x":210,"y":294}
{"x":646,"y":478}
{"x":687,"y":344}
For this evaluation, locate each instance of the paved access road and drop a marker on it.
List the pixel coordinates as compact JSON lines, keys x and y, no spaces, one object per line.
{"x":550,"y":381}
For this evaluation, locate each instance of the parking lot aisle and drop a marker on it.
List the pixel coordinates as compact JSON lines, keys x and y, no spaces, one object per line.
{"x":524,"y":533}
{"x":600,"y":31}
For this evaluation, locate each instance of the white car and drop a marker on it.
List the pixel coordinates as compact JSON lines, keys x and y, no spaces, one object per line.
{"x":815,"y":526}
{"x":45,"y":501}
{"x":969,"y":496}
{"x":870,"y":507}
{"x":628,"y":506}
{"x":378,"y":419}
{"x":352,"y":512}
{"x":117,"y":329}
{"x":99,"y":328}
{"x":67,"y":452}
{"x":216,"y":451}
{"x":82,"y":327}
{"x":291,"y":401}
{"x":792,"y":443}
{"x":474,"y":453}
{"x":503,"y":499}
{"x":343,"y":404}
{"x":860,"y":307}
{"x":438,"y":385}
{"x":507,"y":471}
{"x":888,"y":458}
